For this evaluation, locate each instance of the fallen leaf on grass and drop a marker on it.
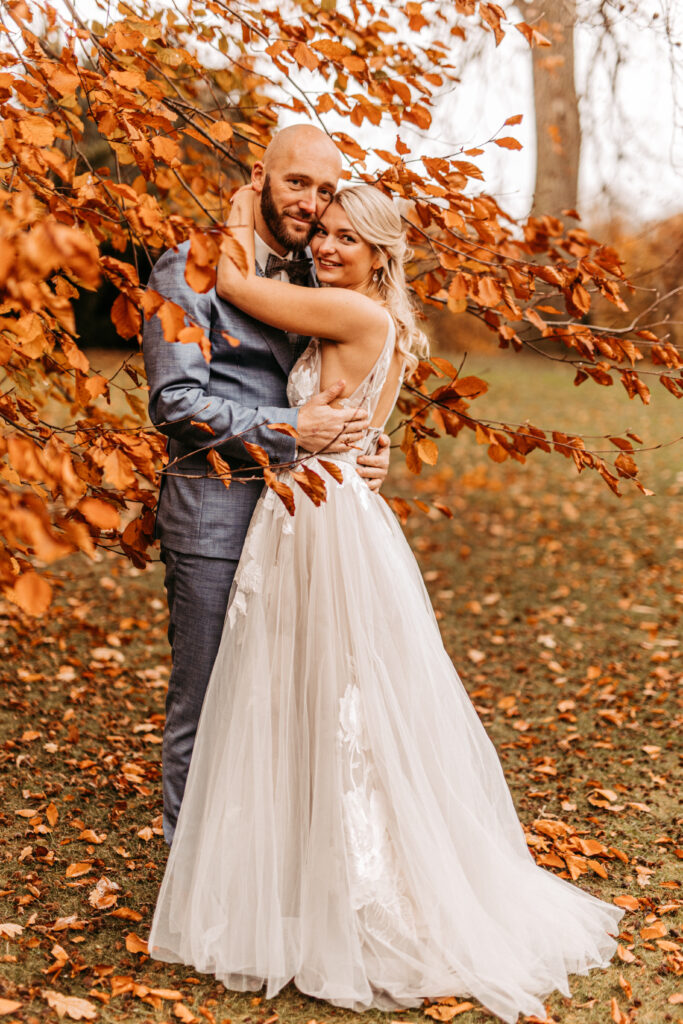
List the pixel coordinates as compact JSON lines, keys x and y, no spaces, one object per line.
{"x":10,"y":930}
{"x":626,"y":985}
{"x":104,"y":895}
{"x":625,"y":954}
{"x":81,"y":867}
{"x":654,"y":931}
{"x":676,"y":998}
{"x":134,"y":944}
{"x":127,"y":914}
{"x":166,"y":993}
{"x":121,"y":983}
{"x":643,"y":874}
{"x":70,"y":1006}
{"x":447,"y":1009}
{"x":8,"y":1006}
{"x":62,"y":924}
{"x":183,"y":1013}
{"x":93,"y":837}
{"x":668,"y":946}
{"x":627,"y":902}
{"x":617,"y":1016}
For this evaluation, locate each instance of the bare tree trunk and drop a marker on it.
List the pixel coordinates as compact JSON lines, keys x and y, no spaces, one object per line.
{"x":558,"y":129}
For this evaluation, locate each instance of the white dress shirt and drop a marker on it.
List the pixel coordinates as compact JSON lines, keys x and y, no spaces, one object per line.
{"x":261,"y":253}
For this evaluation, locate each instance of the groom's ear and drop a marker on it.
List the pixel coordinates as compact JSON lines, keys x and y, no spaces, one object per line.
{"x":258,"y":176}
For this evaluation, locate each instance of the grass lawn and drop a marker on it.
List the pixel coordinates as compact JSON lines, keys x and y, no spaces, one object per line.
{"x":559,"y":603}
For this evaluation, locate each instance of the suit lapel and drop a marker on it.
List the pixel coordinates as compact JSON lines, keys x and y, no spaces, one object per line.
{"x":302,"y":339}
{"x":277,"y":341}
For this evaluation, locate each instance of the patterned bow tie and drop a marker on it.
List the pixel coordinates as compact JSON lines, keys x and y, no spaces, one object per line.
{"x":296,"y":269}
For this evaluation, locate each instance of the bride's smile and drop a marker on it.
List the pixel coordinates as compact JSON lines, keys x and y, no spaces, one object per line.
{"x":342,"y":258}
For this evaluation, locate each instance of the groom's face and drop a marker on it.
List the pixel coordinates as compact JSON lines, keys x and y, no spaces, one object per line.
{"x":294,"y":195}
{"x":292,"y":219}
{"x":291,"y":204}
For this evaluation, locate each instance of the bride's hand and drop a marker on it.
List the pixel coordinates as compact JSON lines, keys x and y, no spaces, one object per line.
{"x":374,"y":468}
{"x":237,"y":260}
{"x":242,"y":208}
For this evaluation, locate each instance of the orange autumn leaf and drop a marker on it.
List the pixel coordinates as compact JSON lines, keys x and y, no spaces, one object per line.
{"x":447,"y":1009}
{"x":283,"y":490}
{"x":126,"y":317}
{"x":70,"y":1006}
{"x":627,"y":902}
{"x":79,"y":868}
{"x":333,"y":469}
{"x":508,"y":142}
{"x":134,"y":944}
{"x":283,"y":428}
{"x":32,"y":593}
{"x":99,"y":513}
{"x":184,"y":1014}
{"x":220,"y":466}
{"x":258,"y":454}
{"x":9,"y":1006}
{"x":427,"y":450}
{"x":104,"y":895}
{"x":653,"y":931}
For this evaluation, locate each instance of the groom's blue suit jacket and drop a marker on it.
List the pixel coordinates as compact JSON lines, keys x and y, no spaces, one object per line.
{"x":242,"y":388}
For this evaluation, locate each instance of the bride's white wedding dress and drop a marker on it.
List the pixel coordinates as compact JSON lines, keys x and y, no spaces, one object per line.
{"x":346,"y":822}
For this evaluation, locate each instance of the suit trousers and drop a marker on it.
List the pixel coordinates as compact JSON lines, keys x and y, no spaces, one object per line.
{"x":197,"y":590}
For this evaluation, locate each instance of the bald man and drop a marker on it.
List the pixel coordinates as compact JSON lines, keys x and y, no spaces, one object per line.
{"x":199,"y":405}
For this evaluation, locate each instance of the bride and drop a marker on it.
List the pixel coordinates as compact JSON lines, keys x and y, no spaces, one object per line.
{"x":346,"y":822}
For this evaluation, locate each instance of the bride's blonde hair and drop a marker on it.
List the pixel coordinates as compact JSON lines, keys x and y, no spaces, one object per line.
{"x":377,"y":220}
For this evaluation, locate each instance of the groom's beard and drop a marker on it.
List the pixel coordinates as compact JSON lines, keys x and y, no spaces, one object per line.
{"x":276,"y":222}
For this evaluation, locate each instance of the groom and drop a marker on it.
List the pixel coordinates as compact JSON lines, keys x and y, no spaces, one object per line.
{"x":201,"y":524}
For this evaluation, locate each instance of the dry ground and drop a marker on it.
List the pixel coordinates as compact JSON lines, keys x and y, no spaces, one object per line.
{"x":561,"y":606}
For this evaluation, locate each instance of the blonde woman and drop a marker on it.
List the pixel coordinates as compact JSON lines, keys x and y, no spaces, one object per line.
{"x":346,"y":823}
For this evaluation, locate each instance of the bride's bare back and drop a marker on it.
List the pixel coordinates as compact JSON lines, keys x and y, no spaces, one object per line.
{"x":353,"y":362}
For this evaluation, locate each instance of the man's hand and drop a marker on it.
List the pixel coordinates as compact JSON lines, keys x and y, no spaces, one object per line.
{"x":321,"y":428}
{"x":374,"y":468}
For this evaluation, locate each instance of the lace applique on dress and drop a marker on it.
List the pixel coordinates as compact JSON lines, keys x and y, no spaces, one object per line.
{"x":249,"y":576}
{"x":376,"y":885}
{"x":304,"y":377}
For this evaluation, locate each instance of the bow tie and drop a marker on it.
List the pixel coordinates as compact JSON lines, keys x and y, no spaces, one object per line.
{"x":297,"y":269}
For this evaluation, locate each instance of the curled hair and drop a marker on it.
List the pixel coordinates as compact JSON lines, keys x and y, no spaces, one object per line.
{"x":377,"y":220}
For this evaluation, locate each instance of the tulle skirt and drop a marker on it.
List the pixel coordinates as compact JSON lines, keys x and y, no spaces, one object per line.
{"x":346,"y":822}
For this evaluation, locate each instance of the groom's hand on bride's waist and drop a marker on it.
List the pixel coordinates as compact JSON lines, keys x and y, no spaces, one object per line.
{"x":322,"y":428}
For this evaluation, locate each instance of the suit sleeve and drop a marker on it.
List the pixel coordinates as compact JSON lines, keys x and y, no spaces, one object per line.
{"x":178,"y":378}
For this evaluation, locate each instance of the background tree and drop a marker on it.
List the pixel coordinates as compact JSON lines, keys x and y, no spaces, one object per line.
{"x":556,"y":108}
